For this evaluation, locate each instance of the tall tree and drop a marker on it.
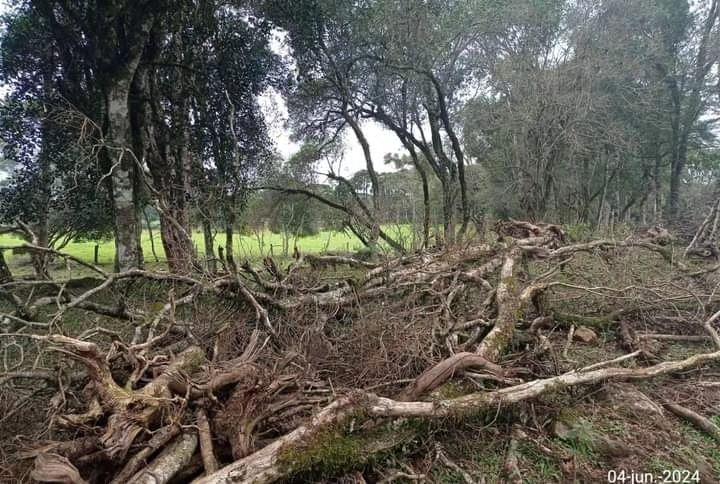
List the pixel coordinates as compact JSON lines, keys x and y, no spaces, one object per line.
{"x":99,"y":44}
{"x":691,"y":53}
{"x":52,"y":194}
{"x":170,"y":92}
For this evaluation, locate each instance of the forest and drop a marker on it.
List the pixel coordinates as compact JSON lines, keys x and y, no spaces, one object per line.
{"x":359,"y":241}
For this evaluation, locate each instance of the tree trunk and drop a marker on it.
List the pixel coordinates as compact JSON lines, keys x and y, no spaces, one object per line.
{"x":175,"y":233}
{"x":676,"y":171}
{"x":657,"y":188}
{"x":209,"y":247}
{"x":448,"y":213}
{"x":5,"y":274}
{"x":229,"y":252}
{"x":39,"y":259}
{"x":368,"y":159}
{"x":426,"y":197}
{"x":40,"y":227}
{"x":121,"y":158}
{"x":425,"y":188}
{"x":150,"y":236}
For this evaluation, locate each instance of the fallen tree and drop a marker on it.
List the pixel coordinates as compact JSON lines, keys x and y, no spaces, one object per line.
{"x":248,"y":400}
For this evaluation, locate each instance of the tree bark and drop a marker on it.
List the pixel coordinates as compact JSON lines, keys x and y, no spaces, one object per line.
{"x":677,"y":168}
{"x":170,"y":461}
{"x":448,"y":212}
{"x":229,"y":251}
{"x":150,"y":236}
{"x":5,"y":274}
{"x":123,"y":190}
{"x":175,"y":232}
{"x":368,"y":159}
{"x":425,"y":188}
{"x":209,"y":247}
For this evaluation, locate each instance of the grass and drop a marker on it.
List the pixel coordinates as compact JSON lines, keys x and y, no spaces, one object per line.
{"x":253,"y":246}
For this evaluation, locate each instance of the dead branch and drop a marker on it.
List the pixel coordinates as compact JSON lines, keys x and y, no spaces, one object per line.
{"x":326,"y":260}
{"x":511,"y":467}
{"x":169,"y":462}
{"x":206,"y":446}
{"x":264,"y":465}
{"x":702,"y":423}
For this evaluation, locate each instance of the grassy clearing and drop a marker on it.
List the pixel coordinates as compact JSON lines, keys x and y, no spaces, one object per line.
{"x":251,"y":246}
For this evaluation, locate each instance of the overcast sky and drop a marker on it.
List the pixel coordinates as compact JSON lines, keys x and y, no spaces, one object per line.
{"x":381,"y":140}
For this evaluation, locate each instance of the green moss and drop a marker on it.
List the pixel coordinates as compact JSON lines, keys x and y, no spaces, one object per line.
{"x":449,"y":390}
{"x":511,"y":283}
{"x":335,"y":452}
{"x":578,"y":232}
{"x":599,"y":322}
{"x":329,"y":453}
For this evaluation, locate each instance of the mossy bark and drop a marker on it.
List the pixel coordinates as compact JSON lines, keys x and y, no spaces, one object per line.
{"x":510,"y":309}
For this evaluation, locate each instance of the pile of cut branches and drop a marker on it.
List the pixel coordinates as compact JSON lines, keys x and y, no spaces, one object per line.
{"x":161,"y":388}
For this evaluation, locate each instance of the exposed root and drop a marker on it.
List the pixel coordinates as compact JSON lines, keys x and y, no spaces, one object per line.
{"x":443,"y":371}
{"x":206,"y":446}
{"x":55,"y":468}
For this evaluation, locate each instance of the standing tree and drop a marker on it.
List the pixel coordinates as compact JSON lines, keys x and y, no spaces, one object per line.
{"x":686,"y":65}
{"x":158,"y":94}
{"x":53,"y":194}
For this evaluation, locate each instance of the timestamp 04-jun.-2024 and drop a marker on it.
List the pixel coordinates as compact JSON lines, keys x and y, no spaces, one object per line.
{"x":665,"y":476}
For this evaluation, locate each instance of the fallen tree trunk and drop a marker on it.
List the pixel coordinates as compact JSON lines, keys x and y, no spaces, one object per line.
{"x":267,"y":465}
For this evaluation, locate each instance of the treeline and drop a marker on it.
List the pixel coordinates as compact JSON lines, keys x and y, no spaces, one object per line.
{"x":577,"y":111}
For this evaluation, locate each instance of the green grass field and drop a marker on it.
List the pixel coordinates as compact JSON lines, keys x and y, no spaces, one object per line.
{"x":251,"y":247}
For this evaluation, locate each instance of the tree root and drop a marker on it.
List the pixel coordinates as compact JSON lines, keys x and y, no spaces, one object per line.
{"x":206,"y":446}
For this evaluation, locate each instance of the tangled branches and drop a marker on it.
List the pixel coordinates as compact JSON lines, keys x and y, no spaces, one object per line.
{"x":179,"y":392}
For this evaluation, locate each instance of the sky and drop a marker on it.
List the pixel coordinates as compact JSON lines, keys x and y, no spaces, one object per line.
{"x":381,"y":140}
